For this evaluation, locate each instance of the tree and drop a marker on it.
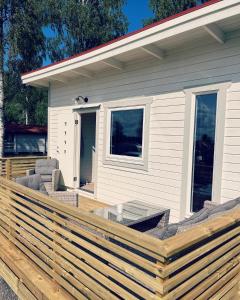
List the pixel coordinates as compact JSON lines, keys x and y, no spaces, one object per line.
{"x":81,"y":25}
{"x":165,"y":8}
{"x":77,"y":25}
{"x":22,"y":48}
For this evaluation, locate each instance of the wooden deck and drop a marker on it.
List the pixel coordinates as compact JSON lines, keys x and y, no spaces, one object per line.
{"x":53,"y":251}
{"x":87,"y":204}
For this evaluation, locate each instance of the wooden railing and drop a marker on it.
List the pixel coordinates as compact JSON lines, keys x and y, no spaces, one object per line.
{"x":52,"y":251}
{"x":11,"y":167}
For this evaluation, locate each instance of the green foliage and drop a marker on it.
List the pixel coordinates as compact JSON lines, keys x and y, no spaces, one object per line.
{"x":21,"y":100}
{"x":81,"y":25}
{"x":165,"y":8}
{"x":23,"y":49}
{"x":77,"y":26}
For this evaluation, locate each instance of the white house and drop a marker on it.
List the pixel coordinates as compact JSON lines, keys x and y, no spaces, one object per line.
{"x":162,"y":121}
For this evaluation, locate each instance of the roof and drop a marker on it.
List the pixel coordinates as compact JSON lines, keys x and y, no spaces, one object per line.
{"x":12,"y":128}
{"x":211,"y":2}
{"x":209,"y":12}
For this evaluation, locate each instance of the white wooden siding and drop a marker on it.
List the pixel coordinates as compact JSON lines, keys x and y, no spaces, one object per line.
{"x":231,"y":166}
{"x":203,"y":63}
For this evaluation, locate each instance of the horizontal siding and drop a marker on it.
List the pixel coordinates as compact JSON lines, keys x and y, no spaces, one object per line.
{"x":202,"y":63}
{"x":231,"y":165}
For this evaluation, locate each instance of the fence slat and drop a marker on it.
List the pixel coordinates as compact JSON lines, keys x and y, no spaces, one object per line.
{"x":87,"y":257}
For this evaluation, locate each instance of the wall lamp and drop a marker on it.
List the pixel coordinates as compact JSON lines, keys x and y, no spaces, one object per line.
{"x":79,"y":99}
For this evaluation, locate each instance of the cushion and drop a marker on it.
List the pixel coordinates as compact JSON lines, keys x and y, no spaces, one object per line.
{"x":217,"y":211}
{"x":222,"y":213}
{"x":46,"y":166}
{"x":225,"y":206}
{"x":33,"y":181}
{"x":185,"y":227}
{"x":46,"y":178}
{"x":196,"y":217}
{"x":164,"y":233}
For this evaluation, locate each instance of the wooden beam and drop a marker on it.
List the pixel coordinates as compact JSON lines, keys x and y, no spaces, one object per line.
{"x":154,"y":51}
{"x":114,"y":63}
{"x":83,"y":72}
{"x":215,"y":32}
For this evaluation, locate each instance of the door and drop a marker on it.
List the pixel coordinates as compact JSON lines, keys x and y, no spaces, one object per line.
{"x":203,"y":149}
{"x":87,"y":151}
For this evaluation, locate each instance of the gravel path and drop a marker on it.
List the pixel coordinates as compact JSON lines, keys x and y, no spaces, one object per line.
{"x":5,"y":292}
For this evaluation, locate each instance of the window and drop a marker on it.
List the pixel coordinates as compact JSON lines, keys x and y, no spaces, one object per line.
{"x":203,"y":149}
{"x":126,"y":132}
{"x":203,"y":145}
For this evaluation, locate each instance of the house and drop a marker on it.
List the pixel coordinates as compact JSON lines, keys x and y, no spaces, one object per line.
{"x":153,"y":115}
{"x":20,"y":139}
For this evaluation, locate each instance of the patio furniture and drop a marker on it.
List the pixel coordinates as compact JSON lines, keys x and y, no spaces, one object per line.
{"x":35,"y":182}
{"x":48,"y":170}
{"x":136,"y":214}
{"x":210,"y":210}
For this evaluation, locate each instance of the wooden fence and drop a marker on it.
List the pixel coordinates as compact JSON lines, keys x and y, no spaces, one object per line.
{"x":52,"y":251}
{"x":16,"y":166}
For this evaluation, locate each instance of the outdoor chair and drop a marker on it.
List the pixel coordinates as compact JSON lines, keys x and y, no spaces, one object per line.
{"x":48,"y":170}
{"x":35,"y":182}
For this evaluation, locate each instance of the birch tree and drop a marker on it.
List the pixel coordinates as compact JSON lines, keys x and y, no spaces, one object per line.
{"x":81,"y":25}
{"x":22,"y":47}
{"x":165,"y":8}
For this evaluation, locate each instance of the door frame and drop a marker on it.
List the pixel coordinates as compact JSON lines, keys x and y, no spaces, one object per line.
{"x":77,"y":147}
{"x":189,"y":127}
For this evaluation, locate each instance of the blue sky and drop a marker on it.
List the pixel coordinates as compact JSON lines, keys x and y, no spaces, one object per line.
{"x":136,"y":11}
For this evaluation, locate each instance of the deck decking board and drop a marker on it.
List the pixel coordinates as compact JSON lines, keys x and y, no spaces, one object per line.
{"x":88,"y":204}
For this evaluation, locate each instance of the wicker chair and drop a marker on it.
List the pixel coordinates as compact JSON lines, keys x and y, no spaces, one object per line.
{"x":45,"y":179}
{"x":48,"y":170}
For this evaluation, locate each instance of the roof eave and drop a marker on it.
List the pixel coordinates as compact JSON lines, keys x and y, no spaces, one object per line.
{"x":198,"y":18}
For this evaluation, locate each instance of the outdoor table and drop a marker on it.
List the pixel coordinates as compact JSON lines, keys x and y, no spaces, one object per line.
{"x":136,"y":214}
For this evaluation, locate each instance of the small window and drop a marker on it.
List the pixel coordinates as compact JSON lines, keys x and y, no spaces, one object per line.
{"x":126,"y":132}
{"x":126,"y":135}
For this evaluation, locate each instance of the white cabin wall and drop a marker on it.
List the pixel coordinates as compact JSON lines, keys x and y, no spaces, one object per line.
{"x":61,"y":141}
{"x":231,"y":160}
{"x":202,"y":63}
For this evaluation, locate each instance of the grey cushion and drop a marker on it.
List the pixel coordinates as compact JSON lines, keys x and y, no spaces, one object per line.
{"x":196,"y":217}
{"x":222,"y":213}
{"x":33,"y":181}
{"x":46,"y":178}
{"x":46,"y":166}
{"x":225,"y":206}
{"x":42,"y":188}
{"x":164,"y":233}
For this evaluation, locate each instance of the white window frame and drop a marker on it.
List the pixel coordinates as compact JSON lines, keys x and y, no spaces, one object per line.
{"x":189,"y":126}
{"x":122,"y":160}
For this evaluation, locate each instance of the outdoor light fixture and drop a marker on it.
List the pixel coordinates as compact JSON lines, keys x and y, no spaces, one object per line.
{"x":78,"y":99}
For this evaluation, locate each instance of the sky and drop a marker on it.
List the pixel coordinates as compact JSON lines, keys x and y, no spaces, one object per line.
{"x":136,"y":11}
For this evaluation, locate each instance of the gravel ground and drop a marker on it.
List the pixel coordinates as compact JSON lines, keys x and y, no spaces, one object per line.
{"x":5,"y":292}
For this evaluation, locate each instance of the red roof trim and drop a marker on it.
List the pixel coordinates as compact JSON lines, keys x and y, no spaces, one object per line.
{"x":185,"y":12}
{"x":12,"y":128}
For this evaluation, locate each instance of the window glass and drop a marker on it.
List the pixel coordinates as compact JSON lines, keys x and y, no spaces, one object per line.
{"x":203,"y":151}
{"x":126,"y":132}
